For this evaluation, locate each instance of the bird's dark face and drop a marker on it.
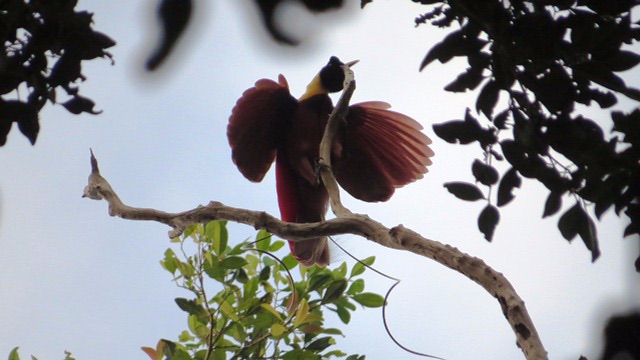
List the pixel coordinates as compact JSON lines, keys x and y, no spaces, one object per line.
{"x":332,"y":75}
{"x":330,"y":79}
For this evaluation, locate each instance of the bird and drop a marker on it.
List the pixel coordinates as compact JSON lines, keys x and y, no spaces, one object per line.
{"x":375,"y":151}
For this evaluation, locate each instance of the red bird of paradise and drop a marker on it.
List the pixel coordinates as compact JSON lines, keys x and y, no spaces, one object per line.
{"x":375,"y":151}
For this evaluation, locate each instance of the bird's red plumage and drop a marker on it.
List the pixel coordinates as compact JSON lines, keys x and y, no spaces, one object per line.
{"x":375,"y":152}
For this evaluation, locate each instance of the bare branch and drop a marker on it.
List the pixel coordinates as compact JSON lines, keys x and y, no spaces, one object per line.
{"x":338,"y":114}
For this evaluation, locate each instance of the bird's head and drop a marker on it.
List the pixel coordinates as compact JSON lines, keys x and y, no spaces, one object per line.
{"x":330,"y":79}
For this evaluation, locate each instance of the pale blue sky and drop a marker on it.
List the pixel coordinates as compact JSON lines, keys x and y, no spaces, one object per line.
{"x":74,"y":278}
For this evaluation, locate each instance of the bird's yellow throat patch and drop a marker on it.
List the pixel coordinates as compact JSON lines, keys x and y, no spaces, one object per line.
{"x":315,"y":87}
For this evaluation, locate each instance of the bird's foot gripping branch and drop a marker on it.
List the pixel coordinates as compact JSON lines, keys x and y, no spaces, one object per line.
{"x":345,"y":222}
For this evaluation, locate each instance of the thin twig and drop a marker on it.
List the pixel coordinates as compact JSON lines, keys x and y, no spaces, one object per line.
{"x":338,"y":115}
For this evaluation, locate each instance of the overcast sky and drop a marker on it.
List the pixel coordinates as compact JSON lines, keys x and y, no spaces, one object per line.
{"x":75,"y":279}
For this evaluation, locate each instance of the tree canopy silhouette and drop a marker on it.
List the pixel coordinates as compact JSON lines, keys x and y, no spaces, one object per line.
{"x":45,"y":43}
{"x":544,"y":59}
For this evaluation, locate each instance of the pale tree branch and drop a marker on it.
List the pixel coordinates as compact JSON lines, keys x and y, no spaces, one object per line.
{"x":398,"y":237}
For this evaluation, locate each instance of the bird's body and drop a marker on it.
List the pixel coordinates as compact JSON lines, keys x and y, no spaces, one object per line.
{"x":376,"y":150}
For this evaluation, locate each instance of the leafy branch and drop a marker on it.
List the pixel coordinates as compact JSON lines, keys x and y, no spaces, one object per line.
{"x":548,"y":60}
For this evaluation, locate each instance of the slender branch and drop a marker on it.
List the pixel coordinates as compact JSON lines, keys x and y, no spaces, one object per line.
{"x":346,"y":222}
{"x":338,"y":115}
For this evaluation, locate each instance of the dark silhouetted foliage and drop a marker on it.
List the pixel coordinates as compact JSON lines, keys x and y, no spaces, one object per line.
{"x":268,"y":7}
{"x":45,"y":43}
{"x":543,"y":59}
{"x":622,"y":333}
{"x":174,"y":16}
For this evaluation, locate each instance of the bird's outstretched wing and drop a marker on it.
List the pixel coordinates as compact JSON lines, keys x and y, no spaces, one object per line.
{"x":256,"y":125}
{"x":381,"y":151}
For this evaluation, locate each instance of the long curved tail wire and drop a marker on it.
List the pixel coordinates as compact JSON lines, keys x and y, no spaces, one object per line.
{"x":386,"y":297}
{"x":291,"y":282}
{"x":384,"y":306}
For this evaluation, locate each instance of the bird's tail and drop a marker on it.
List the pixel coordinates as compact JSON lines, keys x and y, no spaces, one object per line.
{"x":311,"y":251}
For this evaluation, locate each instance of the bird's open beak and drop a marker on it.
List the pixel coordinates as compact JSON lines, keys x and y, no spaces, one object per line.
{"x":351,"y":63}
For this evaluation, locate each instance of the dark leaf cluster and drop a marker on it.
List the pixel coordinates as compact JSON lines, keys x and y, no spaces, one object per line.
{"x":175,"y":15}
{"x":268,"y":7}
{"x":45,"y":43}
{"x":543,"y":59}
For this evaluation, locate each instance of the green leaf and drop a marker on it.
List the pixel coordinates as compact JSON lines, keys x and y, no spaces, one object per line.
{"x":252,"y":263}
{"x":263,"y":240}
{"x":170,"y":261}
{"x":251,"y":288}
{"x":356,"y":287}
{"x":320,"y":344}
{"x":334,"y":353}
{"x":488,"y":220}
{"x":371,"y":300}
{"x":270,"y":309}
{"x":216,"y":233}
{"x":265,"y":274}
{"x":241,"y":276}
{"x":300,"y":354}
{"x":301,"y":313}
{"x":319,"y":281}
{"x":464,"y":191}
{"x":180,"y":354}
{"x":168,"y":347}
{"x":13,"y":355}
{"x":289,"y":261}
{"x":233,"y":262}
{"x":213,"y":269}
{"x":237,"y":332}
{"x":344,"y":301}
{"x":359,"y":267}
{"x":269,"y":261}
{"x":369,"y":260}
{"x":277,"y":330}
{"x":276,"y":245}
{"x":185,"y":336}
{"x":332,"y":331}
{"x":216,"y":354}
{"x":187,"y":270}
{"x":341,"y":271}
{"x":238,"y":249}
{"x":228,"y":310}
{"x":189,"y":230}
{"x":344,"y":314}
{"x":194,"y":308}
{"x":355,"y":357}
{"x":334,"y":291}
